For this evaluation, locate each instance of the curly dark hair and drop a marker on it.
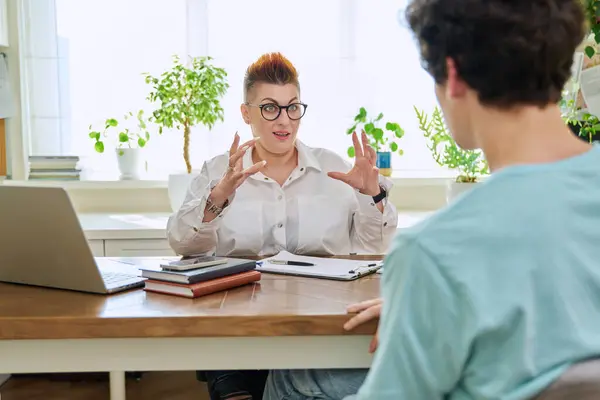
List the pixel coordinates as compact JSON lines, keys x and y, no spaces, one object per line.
{"x":511,"y":52}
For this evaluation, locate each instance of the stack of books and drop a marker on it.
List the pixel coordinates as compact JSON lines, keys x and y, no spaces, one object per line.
{"x":54,"y":168}
{"x":200,"y":276}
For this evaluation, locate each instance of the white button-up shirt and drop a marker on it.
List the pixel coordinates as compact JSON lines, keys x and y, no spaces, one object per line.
{"x":310,"y":214}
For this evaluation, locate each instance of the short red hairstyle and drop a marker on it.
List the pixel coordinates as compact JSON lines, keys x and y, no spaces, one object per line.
{"x":270,"y":68}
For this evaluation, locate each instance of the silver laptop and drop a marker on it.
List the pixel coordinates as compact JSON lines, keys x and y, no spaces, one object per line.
{"x":42,"y":244}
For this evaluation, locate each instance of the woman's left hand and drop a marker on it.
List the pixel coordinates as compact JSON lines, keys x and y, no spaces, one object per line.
{"x":364,"y":175}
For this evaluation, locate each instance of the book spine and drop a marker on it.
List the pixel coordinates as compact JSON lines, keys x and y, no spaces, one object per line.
{"x":205,"y":277}
{"x":224,"y":284}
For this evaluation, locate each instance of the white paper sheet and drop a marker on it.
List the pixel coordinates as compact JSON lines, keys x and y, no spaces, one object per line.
{"x":323,"y":267}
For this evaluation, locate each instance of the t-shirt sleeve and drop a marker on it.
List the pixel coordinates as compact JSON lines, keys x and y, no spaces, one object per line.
{"x":423,"y":344}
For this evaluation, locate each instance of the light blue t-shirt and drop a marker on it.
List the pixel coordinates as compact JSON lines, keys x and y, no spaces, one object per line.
{"x":495,"y":296}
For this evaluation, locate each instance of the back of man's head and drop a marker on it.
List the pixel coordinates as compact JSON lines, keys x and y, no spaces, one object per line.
{"x":511,"y":52}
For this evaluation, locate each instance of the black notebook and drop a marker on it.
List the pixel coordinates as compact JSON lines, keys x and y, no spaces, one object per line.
{"x":233,"y":266}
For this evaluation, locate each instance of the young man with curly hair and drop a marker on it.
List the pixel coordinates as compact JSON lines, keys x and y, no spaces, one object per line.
{"x":498,"y":294}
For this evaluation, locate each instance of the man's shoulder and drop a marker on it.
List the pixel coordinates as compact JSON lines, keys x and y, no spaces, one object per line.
{"x":477,"y":219}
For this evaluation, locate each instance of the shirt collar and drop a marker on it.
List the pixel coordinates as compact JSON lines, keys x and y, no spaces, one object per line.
{"x":306,"y":157}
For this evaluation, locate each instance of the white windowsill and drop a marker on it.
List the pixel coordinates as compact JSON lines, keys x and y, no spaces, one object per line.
{"x":92,"y":184}
{"x":400,"y":178}
{"x":411,"y":191}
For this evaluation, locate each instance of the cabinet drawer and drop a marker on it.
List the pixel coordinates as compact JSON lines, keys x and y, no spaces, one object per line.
{"x":97,"y":247}
{"x":138,"y":248}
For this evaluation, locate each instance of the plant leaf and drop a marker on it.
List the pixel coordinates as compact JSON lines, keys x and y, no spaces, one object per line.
{"x":99,"y":147}
{"x":589,"y":51}
{"x":351,"y":152}
{"x":377,"y":134}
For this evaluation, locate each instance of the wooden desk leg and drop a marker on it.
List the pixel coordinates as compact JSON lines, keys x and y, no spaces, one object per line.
{"x":117,"y":385}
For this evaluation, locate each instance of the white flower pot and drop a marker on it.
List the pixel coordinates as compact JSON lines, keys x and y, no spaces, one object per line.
{"x":178,"y":186}
{"x":456,"y":189}
{"x":131,"y":163}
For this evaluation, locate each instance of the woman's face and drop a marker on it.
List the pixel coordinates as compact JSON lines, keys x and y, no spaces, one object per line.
{"x":277,"y":132}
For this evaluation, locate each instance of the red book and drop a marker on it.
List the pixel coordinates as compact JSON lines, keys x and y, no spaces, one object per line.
{"x":202,"y":288}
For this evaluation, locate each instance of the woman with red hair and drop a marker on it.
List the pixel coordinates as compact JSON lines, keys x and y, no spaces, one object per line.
{"x":274,"y":193}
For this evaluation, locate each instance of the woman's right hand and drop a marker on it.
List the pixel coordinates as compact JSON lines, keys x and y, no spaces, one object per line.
{"x":235,"y":174}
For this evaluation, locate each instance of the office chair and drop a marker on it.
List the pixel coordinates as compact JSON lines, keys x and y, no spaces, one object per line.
{"x":580,"y":382}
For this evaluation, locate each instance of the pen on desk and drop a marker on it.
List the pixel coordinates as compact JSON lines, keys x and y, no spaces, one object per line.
{"x":296,"y":263}
{"x":352,"y":271}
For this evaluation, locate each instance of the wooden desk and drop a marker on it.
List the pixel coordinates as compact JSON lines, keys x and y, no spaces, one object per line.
{"x":281,"y":322}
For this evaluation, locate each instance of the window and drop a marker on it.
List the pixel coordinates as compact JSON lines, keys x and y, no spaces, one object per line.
{"x":85,"y":59}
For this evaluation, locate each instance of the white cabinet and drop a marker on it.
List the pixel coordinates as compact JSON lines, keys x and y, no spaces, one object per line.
{"x":137,"y":248}
{"x":97,"y":247}
{"x":3,"y":23}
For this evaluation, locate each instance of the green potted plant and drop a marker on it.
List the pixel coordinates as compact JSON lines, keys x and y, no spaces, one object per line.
{"x":383,"y":140}
{"x":129,"y":138}
{"x":470,"y":164}
{"x":185,"y":96}
{"x":583,"y":124}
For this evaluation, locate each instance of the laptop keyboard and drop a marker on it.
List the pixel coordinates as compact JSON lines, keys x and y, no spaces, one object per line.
{"x":115,"y":277}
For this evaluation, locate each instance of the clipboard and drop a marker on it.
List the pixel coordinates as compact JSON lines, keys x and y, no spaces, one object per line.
{"x":321,"y":268}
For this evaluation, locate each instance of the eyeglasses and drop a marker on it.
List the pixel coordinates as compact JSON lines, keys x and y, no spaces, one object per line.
{"x":272,"y":111}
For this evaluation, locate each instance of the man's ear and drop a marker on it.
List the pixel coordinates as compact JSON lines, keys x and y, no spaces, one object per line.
{"x":455,"y":86}
{"x":245,"y":110}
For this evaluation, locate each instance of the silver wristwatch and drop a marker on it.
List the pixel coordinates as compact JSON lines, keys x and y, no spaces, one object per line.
{"x":213,"y":208}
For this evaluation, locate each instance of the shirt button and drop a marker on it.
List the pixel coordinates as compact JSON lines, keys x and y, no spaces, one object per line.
{"x":279,"y":197}
{"x":301,"y":169}
{"x":280,"y":225}
{"x":266,"y":179}
{"x":385,"y":224}
{"x":195,"y":229}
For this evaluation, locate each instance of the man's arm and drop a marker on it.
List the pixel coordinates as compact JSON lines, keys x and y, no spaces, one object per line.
{"x":423,"y":331}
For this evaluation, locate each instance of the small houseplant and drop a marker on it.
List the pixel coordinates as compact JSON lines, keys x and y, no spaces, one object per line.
{"x":470,"y":164}
{"x":130,"y":139}
{"x":383,"y":140}
{"x":574,"y":110}
{"x":583,"y":124}
{"x":185,"y":96}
